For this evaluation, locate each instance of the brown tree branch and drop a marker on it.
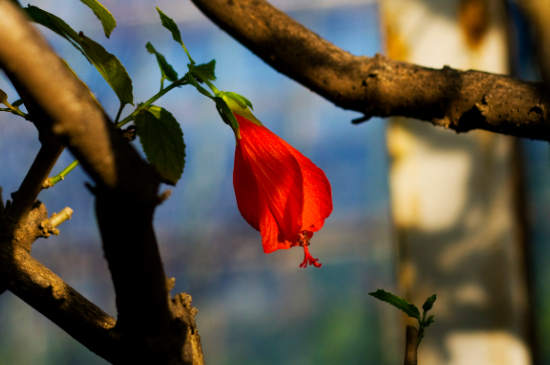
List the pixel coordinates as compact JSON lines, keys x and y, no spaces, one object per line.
{"x":411,"y":345}
{"x":151,"y":327}
{"x":378,"y":86}
{"x":51,"y":296}
{"x":42,"y":289}
{"x":76,"y":119}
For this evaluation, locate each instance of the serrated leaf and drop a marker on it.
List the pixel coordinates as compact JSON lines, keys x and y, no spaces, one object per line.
{"x":428,"y":304}
{"x":162,"y":140}
{"x":105,"y":17}
{"x":110,"y":68}
{"x":107,"y":64}
{"x":169,"y":24}
{"x":166,"y":69}
{"x":206,"y":70}
{"x":400,"y":303}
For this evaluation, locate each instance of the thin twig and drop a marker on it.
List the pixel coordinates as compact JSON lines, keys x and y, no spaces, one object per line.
{"x":31,"y":186}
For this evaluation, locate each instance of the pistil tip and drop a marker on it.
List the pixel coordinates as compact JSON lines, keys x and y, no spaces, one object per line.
{"x":308,"y":259}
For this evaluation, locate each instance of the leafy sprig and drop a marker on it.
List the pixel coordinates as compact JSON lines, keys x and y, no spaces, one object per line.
{"x":410,"y":309}
{"x":159,"y":133}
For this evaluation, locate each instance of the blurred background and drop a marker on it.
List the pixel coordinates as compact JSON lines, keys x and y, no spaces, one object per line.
{"x":417,"y":210}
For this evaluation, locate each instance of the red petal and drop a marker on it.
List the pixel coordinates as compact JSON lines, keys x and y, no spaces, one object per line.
{"x":279,"y":191}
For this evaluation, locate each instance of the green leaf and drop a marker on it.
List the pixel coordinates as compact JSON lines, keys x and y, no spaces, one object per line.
{"x":108,"y":65}
{"x":3,"y":97}
{"x":206,"y":70}
{"x":169,"y":24}
{"x":162,"y":140}
{"x":55,"y":24}
{"x":428,"y":304}
{"x":105,"y":17}
{"x":166,"y":69}
{"x":238,"y":108}
{"x":429,"y":321}
{"x":400,"y":303}
{"x":239,"y":99}
{"x":17,"y":103}
{"x":110,"y":68}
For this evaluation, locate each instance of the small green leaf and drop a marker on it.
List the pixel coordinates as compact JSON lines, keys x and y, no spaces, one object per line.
{"x":169,"y":24}
{"x":162,"y":140}
{"x":239,"y":108}
{"x":206,"y":70}
{"x":166,"y":69}
{"x":428,"y":304}
{"x":105,"y":17}
{"x":239,"y":99}
{"x":400,"y":303}
{"x":3,"y":97}
{"x":110,"y":68}
{"x":429,"y":321}
{"x":17,"y":103}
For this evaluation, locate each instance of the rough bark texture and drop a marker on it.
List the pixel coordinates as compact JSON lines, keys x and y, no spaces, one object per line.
{"x":151,"y":327}
{"x":378,"y":86}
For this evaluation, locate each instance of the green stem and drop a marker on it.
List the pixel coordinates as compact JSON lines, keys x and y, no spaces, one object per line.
{"x":421,"y":327}
{"x":14,"y":110}
{"x":122,"y":105}
{"x":211,"y":86}
{"x":207,"y":82}
{"x":145,"y":105}
{"x":51,"y":181}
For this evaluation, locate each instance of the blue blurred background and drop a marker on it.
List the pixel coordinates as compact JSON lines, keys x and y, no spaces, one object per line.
{"x":253,"y":308}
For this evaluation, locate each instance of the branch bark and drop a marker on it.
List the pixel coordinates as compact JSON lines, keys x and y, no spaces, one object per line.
{"x":151,"y":328}
{"x":378,"y":86}
{"x":51,"y":296}
{"x":411,"y":345}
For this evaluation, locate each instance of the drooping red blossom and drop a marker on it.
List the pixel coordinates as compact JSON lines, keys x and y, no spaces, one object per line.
{"x":279,"y":191}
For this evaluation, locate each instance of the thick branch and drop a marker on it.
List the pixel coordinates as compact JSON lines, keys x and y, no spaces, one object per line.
{"x":76,"y":118}
{"x":51,"y":296}
{"x":56,"y":300}
{"x":150,"y":325}
{"x":377,"y":86}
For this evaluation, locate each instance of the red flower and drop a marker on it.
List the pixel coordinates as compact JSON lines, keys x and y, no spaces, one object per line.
{"x":279,"y":191}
